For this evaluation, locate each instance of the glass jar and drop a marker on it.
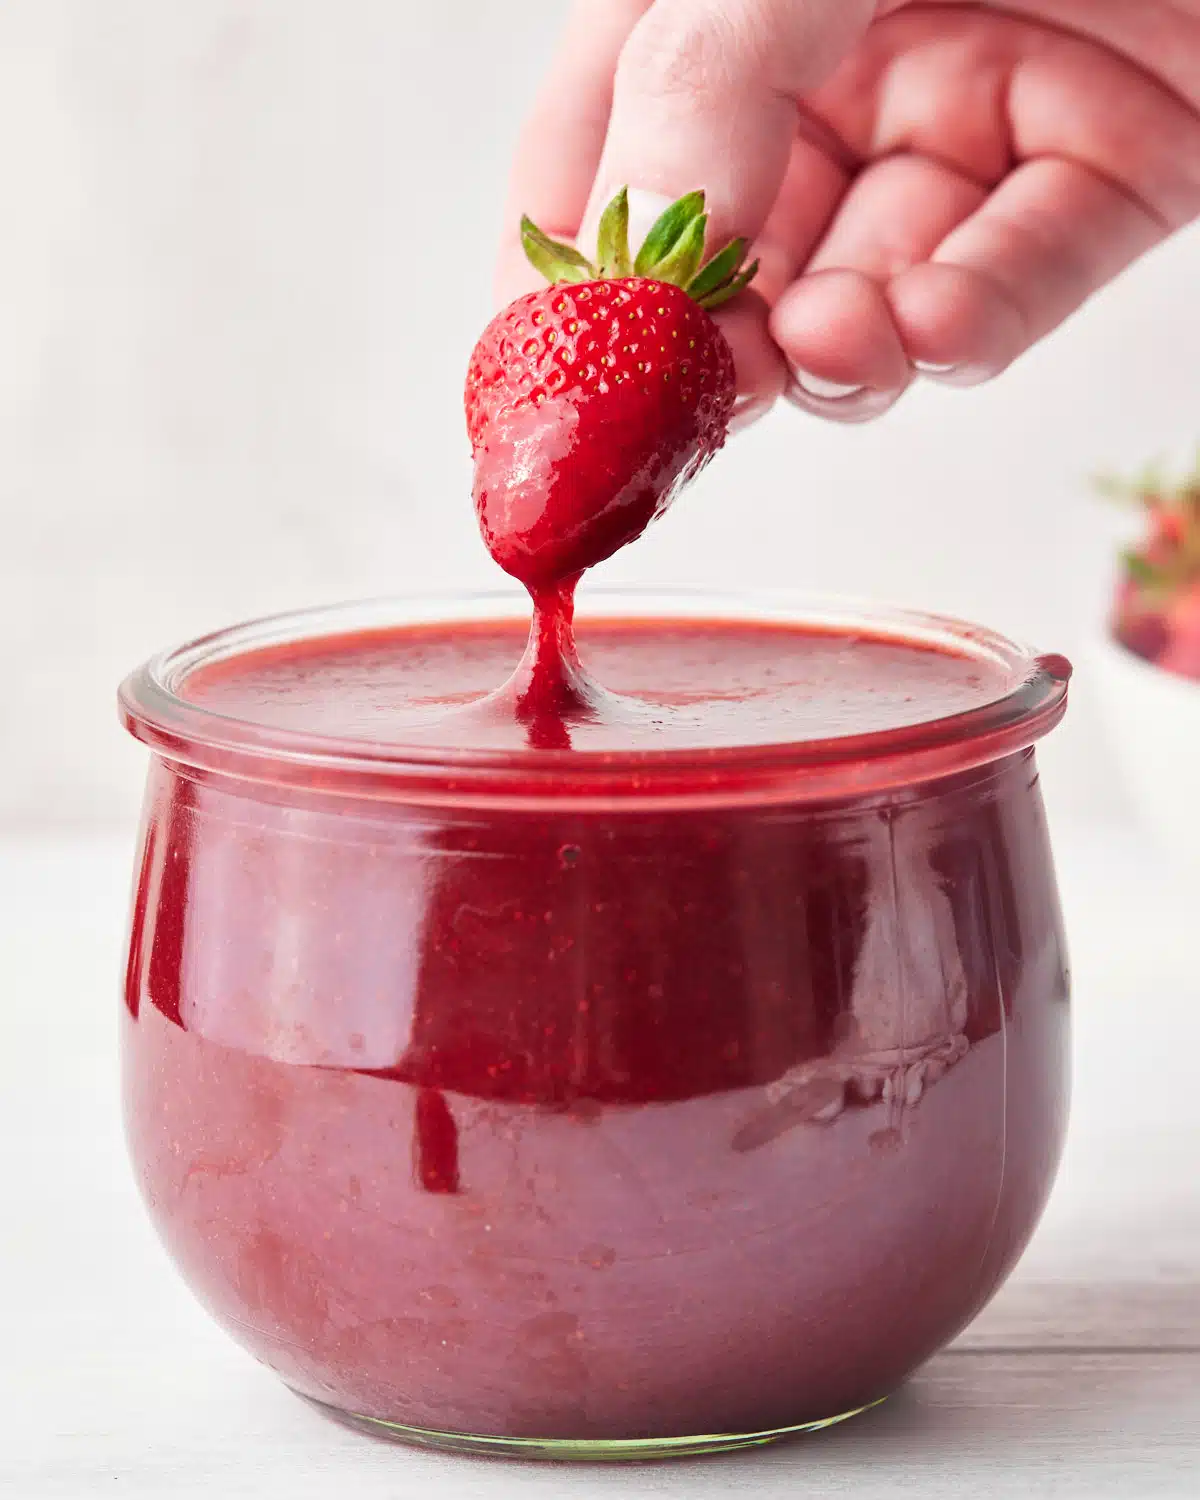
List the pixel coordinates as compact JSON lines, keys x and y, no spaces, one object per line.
{"x":595,"y":1106}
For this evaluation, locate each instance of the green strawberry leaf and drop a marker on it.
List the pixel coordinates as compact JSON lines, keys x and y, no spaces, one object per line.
{"x":681,"y":263}
{"x":730,"y":289}
{"x":612,"y":248}
{"x":666,"y":232}
{"x":673,"y":251}
{"x":1143,"y":490}
{"x":720,"y":269}
{"x":556,"y":261}
{"x":1143,"y":572}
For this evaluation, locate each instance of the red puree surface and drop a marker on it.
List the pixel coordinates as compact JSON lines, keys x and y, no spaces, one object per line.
{"x":668,"y":685}
{"x":549,"y":1122}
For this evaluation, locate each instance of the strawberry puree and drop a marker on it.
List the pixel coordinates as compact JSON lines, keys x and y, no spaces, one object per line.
{"x":560,"y":1117}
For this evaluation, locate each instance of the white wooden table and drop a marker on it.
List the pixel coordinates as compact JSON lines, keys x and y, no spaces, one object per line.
{"x":1082,"y":1379}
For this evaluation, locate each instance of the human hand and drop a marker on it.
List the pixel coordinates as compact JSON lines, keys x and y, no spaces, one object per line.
{"x":930,"y":187}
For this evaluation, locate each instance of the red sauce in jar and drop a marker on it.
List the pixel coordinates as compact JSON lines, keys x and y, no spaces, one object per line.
{"x":607,"y":1118}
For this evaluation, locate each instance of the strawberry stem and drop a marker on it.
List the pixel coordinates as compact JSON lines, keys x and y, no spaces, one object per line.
{"x":673,"y":252}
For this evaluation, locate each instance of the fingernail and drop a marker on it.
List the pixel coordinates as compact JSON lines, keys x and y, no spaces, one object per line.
{"x":859,"y":403}
{"x":645,"y":208}
{"x":747,"y":410}
{"x":825,"y":390}
{"x":958,"y":375}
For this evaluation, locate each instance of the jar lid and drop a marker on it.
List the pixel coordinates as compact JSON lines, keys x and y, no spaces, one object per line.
{"x":725,"y":698}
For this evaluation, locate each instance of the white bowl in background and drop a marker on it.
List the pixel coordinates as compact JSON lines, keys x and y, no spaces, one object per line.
{"x":1153,"y":722}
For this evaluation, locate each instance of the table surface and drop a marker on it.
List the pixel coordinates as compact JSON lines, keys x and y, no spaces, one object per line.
{"x":1082,"y":1378}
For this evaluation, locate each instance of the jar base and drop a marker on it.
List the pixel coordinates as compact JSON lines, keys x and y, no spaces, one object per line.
{"x":575,"y":1450}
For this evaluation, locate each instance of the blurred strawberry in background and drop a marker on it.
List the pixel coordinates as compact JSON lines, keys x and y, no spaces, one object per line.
{"x":1146,"y":669}
{"x":1157,"y":609}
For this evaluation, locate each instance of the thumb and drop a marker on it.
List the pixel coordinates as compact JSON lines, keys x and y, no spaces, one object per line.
{"x":705,"y":96}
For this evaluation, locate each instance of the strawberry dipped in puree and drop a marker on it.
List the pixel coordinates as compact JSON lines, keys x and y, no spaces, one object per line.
{"x":590,"y":404}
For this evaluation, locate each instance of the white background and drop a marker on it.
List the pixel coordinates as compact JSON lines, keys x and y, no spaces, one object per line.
{"x":245,"y":250}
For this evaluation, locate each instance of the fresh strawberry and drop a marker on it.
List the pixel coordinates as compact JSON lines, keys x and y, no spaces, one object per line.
{"x":1157,"y":608}
{"x":1143,"y":631}
{"x":591,"y":403}
{"x":1182,"y":652}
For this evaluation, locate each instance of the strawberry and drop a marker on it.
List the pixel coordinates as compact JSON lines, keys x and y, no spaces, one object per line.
{"x":1182,"y":652}
{"x":591,"y":403}
{"x":1157,"y":608}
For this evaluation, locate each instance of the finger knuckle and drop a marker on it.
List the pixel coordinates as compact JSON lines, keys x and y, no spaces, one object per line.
{"x":692,"y":48}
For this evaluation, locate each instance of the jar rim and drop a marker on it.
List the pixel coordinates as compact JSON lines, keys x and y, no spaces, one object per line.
{"x":208,"y":743}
